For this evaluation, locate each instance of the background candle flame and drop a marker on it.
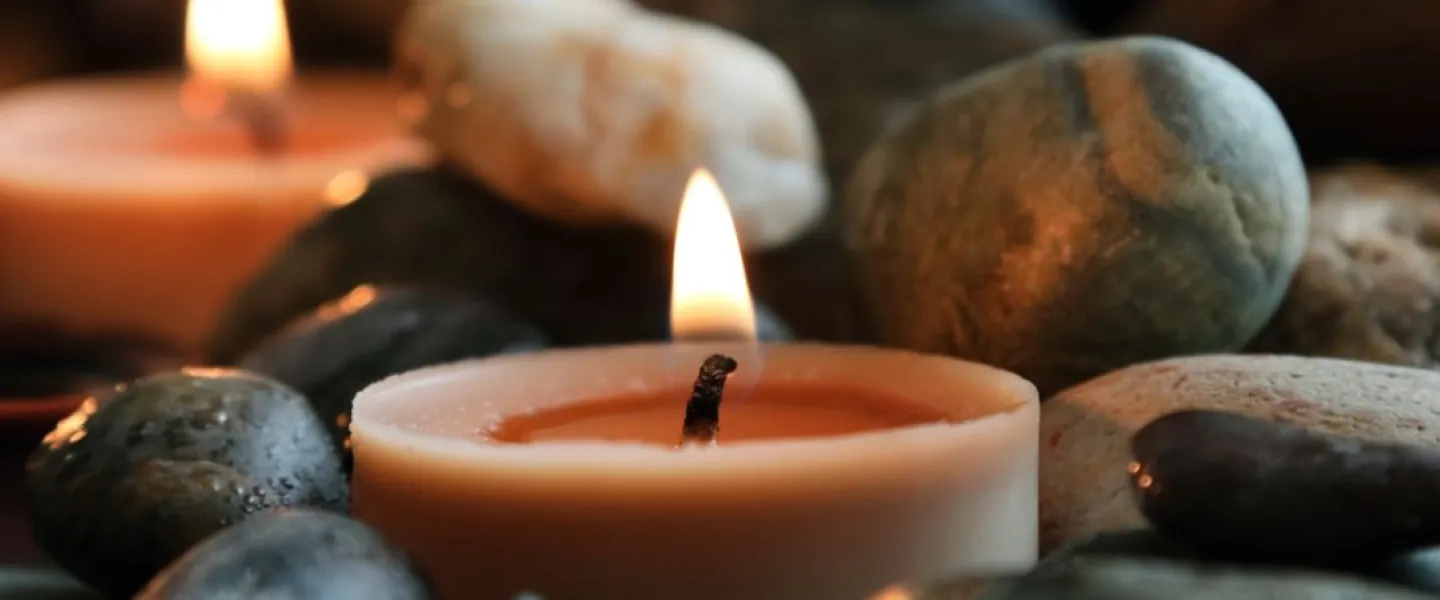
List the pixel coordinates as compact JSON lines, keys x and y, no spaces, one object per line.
{"x":710,"y":296}
{"x":239,"y":45}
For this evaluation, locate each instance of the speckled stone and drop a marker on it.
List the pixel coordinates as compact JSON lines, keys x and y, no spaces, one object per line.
{"x":125,"y":485}
{"x":1088,"y":207}
{"x":373,"y":333}
{"x":1086,"y":430}
{"x":1250,"y":488}
{"x":293,"y":554}
{"x":1368,"y":287}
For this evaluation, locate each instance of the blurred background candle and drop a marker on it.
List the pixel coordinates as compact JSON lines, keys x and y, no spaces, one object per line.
{"x":136,"y":204}
{"x":837,"y":469}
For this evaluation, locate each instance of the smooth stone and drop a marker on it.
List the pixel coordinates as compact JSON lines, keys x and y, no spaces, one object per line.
{"x":1255,"y":489}
{"x":436,"y":229}
{"x":1085,"y":431}
{"x":1368,"y":286}
{"x":1353,"y":78}
{"x":598,"y":111}
{"x":1088,"y":207}
{"x":1130,"y":578}
{"x":1144,"y":543}
{"x":293,"y":554}
{"x":127,"y":484}
{"x":373,"y":333}
{"x":42,"y":583}
{"x":1418,"y":571}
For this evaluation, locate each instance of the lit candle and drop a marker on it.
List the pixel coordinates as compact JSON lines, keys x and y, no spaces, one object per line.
{"x":835,"y":469}
{"x":127,"y":206}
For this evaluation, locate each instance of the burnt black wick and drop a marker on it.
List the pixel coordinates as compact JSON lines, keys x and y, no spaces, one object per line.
{"x":702,"y":413}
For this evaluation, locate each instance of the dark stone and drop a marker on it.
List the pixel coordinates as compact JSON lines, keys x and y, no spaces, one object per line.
{"x":434,"y":228}
{"x":1418,"y":570}
{"x":1143,"y":543}
{"x":371,"y":334}
{"x":1354,"y":79}
{"x":292,"y":554}
{"x":125,"y":485}
{"x":1131,"y":578}
{"x":1112,"y":566}
{"x":1089,"y":207}
{"x":42,"y":583}
{"x":1249,"y":488}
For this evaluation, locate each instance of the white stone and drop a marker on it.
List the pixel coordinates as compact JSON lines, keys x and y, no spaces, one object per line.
{"x":586,"y":111}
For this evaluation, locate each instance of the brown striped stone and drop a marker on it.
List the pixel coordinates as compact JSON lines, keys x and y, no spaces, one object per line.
{"x":1085,"y":208}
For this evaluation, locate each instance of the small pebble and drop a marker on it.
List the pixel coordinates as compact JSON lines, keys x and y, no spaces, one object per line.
{"x":1248,"y":488}
{"x":125,"y":485}
{"x":373,"y":333}
{"x":298,"y":554}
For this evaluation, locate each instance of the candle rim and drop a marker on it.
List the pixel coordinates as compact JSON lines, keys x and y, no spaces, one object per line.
{"x":1019,"y":399}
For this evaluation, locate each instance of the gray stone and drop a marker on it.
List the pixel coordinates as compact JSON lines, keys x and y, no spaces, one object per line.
{"x":1088,"y":207}
{"x":293,"y":554}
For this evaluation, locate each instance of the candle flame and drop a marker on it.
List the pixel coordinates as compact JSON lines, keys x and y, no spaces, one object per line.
{"x":710,"y":296}
{"x":239,"y":45}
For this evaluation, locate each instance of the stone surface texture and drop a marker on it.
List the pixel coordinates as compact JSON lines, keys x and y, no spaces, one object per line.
{"x":1089,"y":207}
{"x":1368,"y":287}
{"x":591,"y":111}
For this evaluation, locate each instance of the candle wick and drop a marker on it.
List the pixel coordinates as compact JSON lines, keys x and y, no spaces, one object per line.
{"x":263,"y":121}
{"x":702,"y":413}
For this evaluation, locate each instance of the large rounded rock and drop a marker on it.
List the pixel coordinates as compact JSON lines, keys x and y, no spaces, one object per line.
{"x":1091,"y":206}
{"x":1086,"y":430}
{"x":124,"y":486}
{"x":293,"y":554}
{"x":1368,"y":287}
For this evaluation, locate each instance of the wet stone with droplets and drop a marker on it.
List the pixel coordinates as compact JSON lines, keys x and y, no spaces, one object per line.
{"x":128,"y":483}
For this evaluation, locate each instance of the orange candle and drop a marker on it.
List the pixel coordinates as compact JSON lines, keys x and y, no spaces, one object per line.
{"x":127,"y":206}
{"x":836,"y":471}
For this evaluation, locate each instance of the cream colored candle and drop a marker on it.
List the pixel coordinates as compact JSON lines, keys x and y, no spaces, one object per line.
{"x":129,"y":207}
{"x":837,"y":469}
